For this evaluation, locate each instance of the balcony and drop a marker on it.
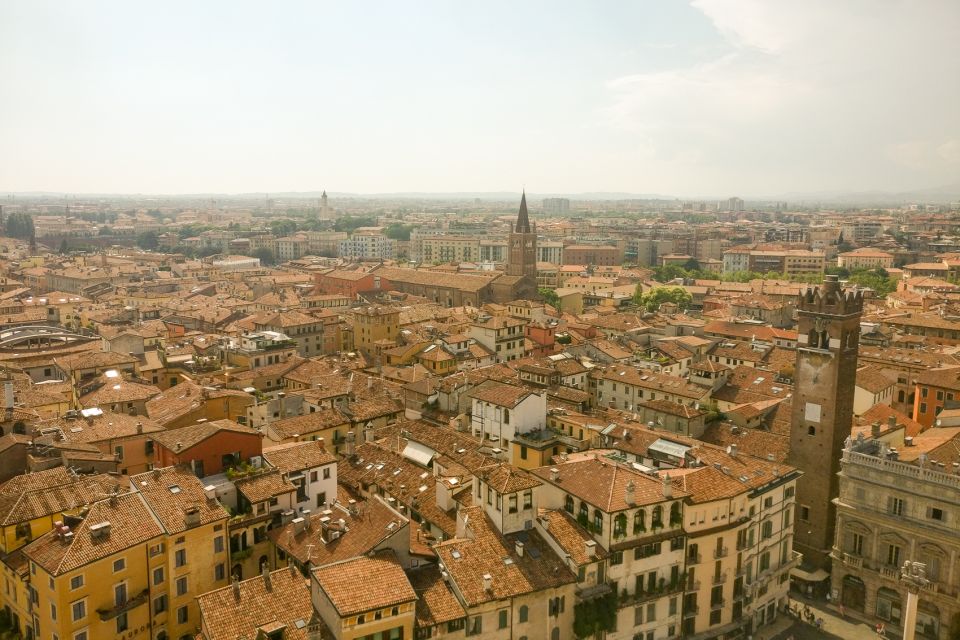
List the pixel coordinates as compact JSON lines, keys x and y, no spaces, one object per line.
{"x":717,"y":604}
{"x":692,"y":585}
{"x":893,"y":573}
{"x":720,"y":578}
{"x":690,"y":610}
{"x":592,"y":591}
{"x":722,"y":552}
{"x":694,"y":559}
{"x":126,"y":605}
{"x":852,"y":561}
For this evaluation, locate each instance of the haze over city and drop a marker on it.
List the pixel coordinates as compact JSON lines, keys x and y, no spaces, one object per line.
{"x":702,"y":98}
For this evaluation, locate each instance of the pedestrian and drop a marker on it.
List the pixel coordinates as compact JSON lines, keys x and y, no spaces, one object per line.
{"x":882,"y":630}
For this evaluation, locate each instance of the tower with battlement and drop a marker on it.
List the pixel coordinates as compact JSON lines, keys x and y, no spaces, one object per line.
{"x":822,"y":411}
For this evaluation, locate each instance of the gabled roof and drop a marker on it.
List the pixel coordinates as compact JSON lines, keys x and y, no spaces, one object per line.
{"x":181,"y":439}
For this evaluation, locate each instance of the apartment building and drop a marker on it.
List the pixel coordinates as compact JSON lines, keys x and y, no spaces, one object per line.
{"x":502,"y":336}
{"x":450,"y":249}
{"x":368,"y":243}
{"x":865,"y":258}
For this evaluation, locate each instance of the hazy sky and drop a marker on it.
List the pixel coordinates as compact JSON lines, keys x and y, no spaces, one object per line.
{"x":710,"y":97}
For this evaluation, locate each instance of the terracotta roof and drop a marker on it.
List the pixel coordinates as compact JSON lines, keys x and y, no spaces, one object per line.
{"x":571,"y":537}
{"x":347,"y":583}
{"x":172,"y":491}
{"x":501,"y":394}
{"x":298,"y":456}
{"x":483,"y":552}
{"x":105,"y":426}
{"x":873,"y":379}
{"x":177,"y":440}
{"x":131,"y":523}
{"x":603,"y":483}
{"x":323,"y":418}
{"x":263,"y":486}
{"x":505,"y":478}
{"x":436,"y":602}
{"x":283,"y":599}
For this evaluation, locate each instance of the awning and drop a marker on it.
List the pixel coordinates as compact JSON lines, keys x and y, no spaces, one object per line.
{"x":818,"y":575}
{"x":669,"y":448}
{"x":419,"y":453}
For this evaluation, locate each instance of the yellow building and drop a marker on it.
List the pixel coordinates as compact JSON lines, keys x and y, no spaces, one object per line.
{"x":342,"y":596}
{"x":193,"y":555}
{"x":94,"y":580}
{"x":372,"y":324}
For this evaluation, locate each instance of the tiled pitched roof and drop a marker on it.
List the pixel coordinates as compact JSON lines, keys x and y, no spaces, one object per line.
{"x":347,"y":583}
{"x":324,"y":418}
{"x":185,"y":437}
{"x":603,"y":483}
{"x":501,"y":394}
{"x":172,"y":491}
{"x":571,"y":537}
{"x":283,"y":600}
{"x":131,"y":524}
{"x":483,"y":551}
{"x":298,"y":456}
{"x":436,"y":603}
{"x":263,"y":486}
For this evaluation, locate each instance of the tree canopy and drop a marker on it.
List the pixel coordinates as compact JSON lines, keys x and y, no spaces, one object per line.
{"x":651,"y":300}
{"x":20,"y":225}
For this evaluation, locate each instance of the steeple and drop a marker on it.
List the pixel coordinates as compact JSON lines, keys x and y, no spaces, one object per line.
{"x":523,"y":221}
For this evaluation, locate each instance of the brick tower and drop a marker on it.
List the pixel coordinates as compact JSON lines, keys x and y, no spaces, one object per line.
{"x":824,"y":381}
{"x":522,"y":258}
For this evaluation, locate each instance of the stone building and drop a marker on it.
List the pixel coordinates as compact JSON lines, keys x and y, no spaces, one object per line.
{"x":826,"y":371}
{"x":899,"y":501}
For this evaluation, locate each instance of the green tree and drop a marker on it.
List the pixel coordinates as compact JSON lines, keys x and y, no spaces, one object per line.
{"x":349,"y":224}
{"x":282,"y":228}
{"x":691,"y":265}
{"x":64,"y":247}
{"x":399,"y":231}
{"x":669,"y":272}
{"x":20,"y":225}
{"x":549,"y":296}
{"x":651,"y":300}
{"x":266,"y":256}
{"x":148,"y":240}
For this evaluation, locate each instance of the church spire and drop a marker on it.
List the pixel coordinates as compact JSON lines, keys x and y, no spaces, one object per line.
{"x":523,"y":221}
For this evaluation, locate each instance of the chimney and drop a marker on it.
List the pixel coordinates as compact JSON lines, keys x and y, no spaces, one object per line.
{"x":590,"y":548}
{"x":8,"y":395}
{"x":733,"y":450}
{"x":667,"y":487}
{"x":368,"y":433}
{"x":236,"y":588}
{"x":545,"y":522}
{"x":211,"y":492}
{"x":875,"y":429}
{"x":139,"y":427}
{"x":554,"y":474}
{"x":266,"y":578}
{"x":892,"y":422}
{"x":629,"y":494}
{"x":350,"y":443}
{"x":191,"y":516}
{"x":100,"y":530}
{"x":487,"y":582}
{"x":519,"y":548}
{"x":298,"y":524}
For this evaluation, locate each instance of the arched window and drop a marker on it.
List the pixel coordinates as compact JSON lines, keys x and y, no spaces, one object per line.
{"x":675,"y":517}
{"x":524,"y":613}
{"x":640,"y":521}
{"x":657,"y":520}
{"x":598,"y":521}
{"x":555,"y":634}
{"x":568,"y":505}
{"x":620,"y":525}
{"x":584,"y":516}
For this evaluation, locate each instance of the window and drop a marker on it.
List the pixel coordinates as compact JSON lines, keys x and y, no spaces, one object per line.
{"x":512,"y":503}
{"x":523,"y":452}
{"x":183,"y":614}
{"x":616,"y":557}
{"x":502,"y":619}
{"x":811,"y":431}
{"x":76,"y":582}
{"x":160,"y":604}
{"x":639,"y":521}
{"x":326,"y":473}
{"x":598,"y":521}
{"x":524,"y":613}
{"x":80,"y":635}
{"x":475,"y":624}
{"x":79,"y":610}
{"x":53,"y":611}
{"x":499,"y":502}
{"x":568,"y":504}
{"x":527,"y":500}
{"x":766,"y":530}
{"x":893,"y":555}
{"x":805,"y":513}
{"x":935,"y":513}
{"x":637,"y":616}
{"x":620,"y":525}
{"x":220,"y":572}
{"x":895,"y":506}
{"x":122,"y":622}
{"x":120,"y":593}
{"x":180,"y":558}
{"x":182,"y":585}
{"x":119,"y":565}
{"x":158,"y":575}
{"x":313,"y":476}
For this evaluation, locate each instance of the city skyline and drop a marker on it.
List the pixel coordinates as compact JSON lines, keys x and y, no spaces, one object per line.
{"x":704,"y":99}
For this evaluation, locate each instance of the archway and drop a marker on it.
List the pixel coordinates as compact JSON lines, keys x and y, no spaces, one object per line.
{"x":854,"y":593}
{"x":889,"y":606}
{"x":928,"y":620}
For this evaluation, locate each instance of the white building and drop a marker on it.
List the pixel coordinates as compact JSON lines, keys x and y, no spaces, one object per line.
{"x":499,"y":411}
{"x":310,"y":468}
